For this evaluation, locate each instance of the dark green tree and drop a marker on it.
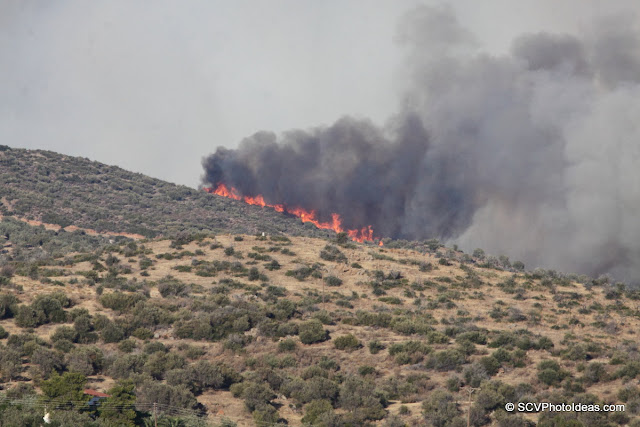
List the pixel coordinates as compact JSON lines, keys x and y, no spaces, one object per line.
{"x":119,"y":408}
{"x":65,"y":388}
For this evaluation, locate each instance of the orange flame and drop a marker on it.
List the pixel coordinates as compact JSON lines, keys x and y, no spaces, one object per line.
{"x":222,"y":190}
{"x":365,"y":233}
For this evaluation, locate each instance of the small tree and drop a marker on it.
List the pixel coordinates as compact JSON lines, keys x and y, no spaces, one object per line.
{"x":66,"y":387}
{"x":256,"y":395}
{"x":8,"y":306}
{"x":440,"y":409}
{"x":46,"y":361}
{"x":357,"y":395}
{"x":112,"y":333}
{"x":10,"y":363}
{"x":119,"y":409}
{"x":314,"y":409}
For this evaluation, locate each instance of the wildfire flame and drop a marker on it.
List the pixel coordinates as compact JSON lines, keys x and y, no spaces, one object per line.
{"x":358,"y":235}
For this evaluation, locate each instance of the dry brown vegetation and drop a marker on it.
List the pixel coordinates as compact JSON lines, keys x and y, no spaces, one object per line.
{"x":399,"y":327}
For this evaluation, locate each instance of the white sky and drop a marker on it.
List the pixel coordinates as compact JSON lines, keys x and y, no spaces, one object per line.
{"x":155,"y":86}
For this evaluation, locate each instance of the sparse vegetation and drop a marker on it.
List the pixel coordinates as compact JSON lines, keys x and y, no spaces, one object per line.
{"x":318,"y":331}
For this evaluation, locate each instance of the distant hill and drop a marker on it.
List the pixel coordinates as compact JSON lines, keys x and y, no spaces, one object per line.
{"x":57,"y":189}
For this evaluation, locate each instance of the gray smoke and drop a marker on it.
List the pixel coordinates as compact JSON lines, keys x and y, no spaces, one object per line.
{"x":533,"y":154}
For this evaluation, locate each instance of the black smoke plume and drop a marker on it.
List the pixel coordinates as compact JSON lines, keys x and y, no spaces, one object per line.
{"x":533,"y":154}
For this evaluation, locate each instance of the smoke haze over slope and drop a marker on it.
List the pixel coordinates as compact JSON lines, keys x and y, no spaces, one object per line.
{"x":532,"y":153}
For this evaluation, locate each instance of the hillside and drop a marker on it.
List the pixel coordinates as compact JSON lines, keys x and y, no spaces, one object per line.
{"x":256,"y":330}
{"x":57,"y":189}
{"x":173,"y":302}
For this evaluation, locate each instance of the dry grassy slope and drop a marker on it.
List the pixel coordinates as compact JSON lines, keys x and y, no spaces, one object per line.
{"x":554,"y":322}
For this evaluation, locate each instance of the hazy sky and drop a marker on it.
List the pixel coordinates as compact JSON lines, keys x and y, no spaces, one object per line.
{"x":155,"y":86}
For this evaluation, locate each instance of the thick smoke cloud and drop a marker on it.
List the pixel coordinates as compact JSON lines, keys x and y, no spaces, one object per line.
{"x":533,"y":154}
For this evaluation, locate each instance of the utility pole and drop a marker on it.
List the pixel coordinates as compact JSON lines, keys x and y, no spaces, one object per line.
{"x":324,"y":304}
{"x":155,"y":413}
{"x":470,"y":390}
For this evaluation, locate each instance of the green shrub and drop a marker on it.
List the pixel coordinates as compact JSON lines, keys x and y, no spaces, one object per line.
{"x":549,"y":376}
{"x":287,"y":346}
{"x":112,"y":333}
{"x":441,"y":409}
{"x":476,"y":337}
{"x":375,"y":346}
{"x":8,"y":306}
{"x":630,"y":370}
{"x":311,"y":332}
{"x":44,"y":309}
{"x":550,"y":373}
{"x":87,"y":360}
{"x":628,"y":393}
{"x":595,"y":372}
{"x":265,"y":415}
{"x":453,"y":383}
{"x":446,"y":360}
{"x":366,"y":370}
{"x":314,"y":388}
{"x":332,"y":253}
{"x":142,"y":333}
{"x":145,"y":263}
{"x":126,"y":366}
{"x":333,"y":281}
{"x":325,"y":317}
{"x":273,"y":265}
{"x":45,"y":361}
{"x":150,"y":392}
{"x":117,"y":409}
{"x":409,"y":352}
{"x":490,"y":364}
{"x":256,"y":395}
{"x":254,"y":274}
{"x":475,"y":374}
{"x":66,"y":387}
{"x":358,"y":396}
{"x":315,"y":409}
{"x":10,"y":362}
{"x":302,"y":273}
{"x":172,"y":287}
{"x":127,"y":346}
{"x":347,"y":342}
{"x":342,"y":238}
{"x":120,"y":301}
{"x":203,"y":375}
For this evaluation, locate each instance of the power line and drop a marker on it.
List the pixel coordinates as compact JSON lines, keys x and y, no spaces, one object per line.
{"x":163,"y":407}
